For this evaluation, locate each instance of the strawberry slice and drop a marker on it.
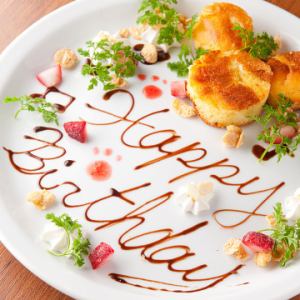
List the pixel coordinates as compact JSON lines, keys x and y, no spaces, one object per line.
{"x":100,"y":254}
{"x":258,"y":242}
{"x":50,"y":77}
{"x":178,"y":89}
{"x":288,"y":131}
{"x":76,"y":130}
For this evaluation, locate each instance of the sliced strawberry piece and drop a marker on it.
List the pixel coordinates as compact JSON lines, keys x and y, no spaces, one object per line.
{"x":288,"y":131}
{"x":50,"y":77}
{"x":76,"y":130}
{"x":178,"y":89}
{"x":258,"y":242}
{"x":100,"y":254}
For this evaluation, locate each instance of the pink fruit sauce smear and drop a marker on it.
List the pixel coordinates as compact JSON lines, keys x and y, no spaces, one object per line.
{"x":141,"y":77}
{"x":108,"y":152}
{"x":118,"y":158}
{"x":152,"y":92}
{"x":155,"y":78}
{"x":99,"y":170}
{"x":96,"y":150}
{"x":165,"y":81}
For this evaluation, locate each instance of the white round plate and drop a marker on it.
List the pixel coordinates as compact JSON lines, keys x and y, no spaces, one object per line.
{"x":21,"y":224}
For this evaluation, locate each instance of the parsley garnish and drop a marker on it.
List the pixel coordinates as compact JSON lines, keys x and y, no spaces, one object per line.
{"x":258,"y":45}
{"x":109,"y":60}
{"x":186,"y":58}
{"x":78,"y":246}
{"x":160,"y":13}
{"x":271,"y":121}
{"x":41,"y":105}
{"x":286,"y":237}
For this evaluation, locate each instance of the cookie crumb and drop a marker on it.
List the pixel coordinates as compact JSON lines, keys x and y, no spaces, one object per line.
{"x":183,"y":109}
{"x":234,"y":136}
{"x":66,"y":58}
{"x":235,"y":248}
{"x":41,"y":199}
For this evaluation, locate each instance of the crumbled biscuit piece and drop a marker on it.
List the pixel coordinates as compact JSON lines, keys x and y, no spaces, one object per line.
{"x":278,"y":253}
{"x":271,"y":220}
{"x":184,"y":20}
{"x":262,"y":259}
{"x":182,"y":109}
{"x":136,"y":32}
{"x":234,"y":247}
{"x":65,"y":58}
{"x":234,"y":136}
{"x":124,"y":33}
{"x":120,"y":82}
{"x":41,"y":199}
{"x":149,"y":52}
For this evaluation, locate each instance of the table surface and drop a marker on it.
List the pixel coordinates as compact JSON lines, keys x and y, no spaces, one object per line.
{"x":16,"y":282}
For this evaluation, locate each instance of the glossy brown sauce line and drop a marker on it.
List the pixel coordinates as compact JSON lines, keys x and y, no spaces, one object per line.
{"x":61,"y":108}
{"x":129,"y":240}
{"x":258,"y":151}
{"x":30,"y":153}
{"x":107,"y":97}
{"x":190,"y":164}
{"x":121,"y":278}
{"x":69,"y":162}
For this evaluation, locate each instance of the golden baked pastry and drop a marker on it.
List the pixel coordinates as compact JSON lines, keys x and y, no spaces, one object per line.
{"x":286,"y":77}
{"x":228,"y":87}
{"x":214,"y":29}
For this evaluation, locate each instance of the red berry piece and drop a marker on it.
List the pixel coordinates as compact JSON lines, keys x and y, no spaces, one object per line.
{"x":100,"y":254}
{"x":258,"y":242}
{"x":76,"y":130}
{"x":50,"y":77}
{"x":288,"y":131}
{"x":178,"y":89}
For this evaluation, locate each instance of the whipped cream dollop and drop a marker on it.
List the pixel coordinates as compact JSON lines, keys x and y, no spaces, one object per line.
{"x":55,"y":238}
{"x":291,"y":206}
{"x":195,"y":197}
{"x":150,"y":35}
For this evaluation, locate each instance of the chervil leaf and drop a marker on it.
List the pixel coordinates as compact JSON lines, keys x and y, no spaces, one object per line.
{"x":186,"y":58}
{"x":258,"y":45}
{"x":41,"y":105}
{"x":286,"y":236}
{"x":161,"y":14}
{"x":78,"y":246}
{"x":108,"y":61}
{"x":272,"y":120}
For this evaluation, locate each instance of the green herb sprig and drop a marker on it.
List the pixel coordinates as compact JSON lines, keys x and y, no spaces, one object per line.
{"x":286,"y":236}
{"x":109,"y":60}
{"x":271,"y":120}
{"x":40,"y":105}
{"x":186,"y":58}
{"x":188,"y":54}
{"x":260,"y":45}
{"x":161,"y":13}
{"x":78,"y":246}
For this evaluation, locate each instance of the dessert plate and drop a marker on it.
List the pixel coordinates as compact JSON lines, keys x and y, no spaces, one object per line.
{"x":140,"y":210}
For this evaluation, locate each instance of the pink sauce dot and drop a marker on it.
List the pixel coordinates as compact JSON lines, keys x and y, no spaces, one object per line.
{"x":155,"y":77}
{"x":118,"y":158}
{"x":108,"y":152}
{"x":165,"y":81}
{"x":152,"y":91}
{"x":141,"y":77}
{"x":96,"y":150}
{"x":99,"y":170}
